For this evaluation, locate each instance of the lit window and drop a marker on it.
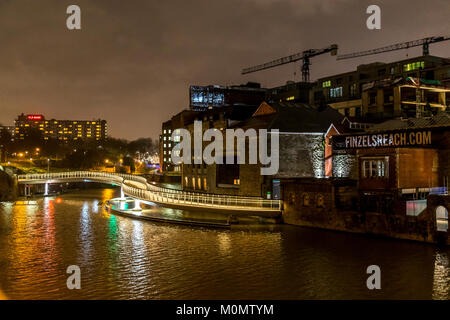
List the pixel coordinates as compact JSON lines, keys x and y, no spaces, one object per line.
{"x":414,"y":66}
{"x":375,"y":168}
{"x":326,"y":84}
{"x":336,"y":92}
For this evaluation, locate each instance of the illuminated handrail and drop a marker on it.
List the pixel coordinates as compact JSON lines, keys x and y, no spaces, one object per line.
{"x":138,"y":187}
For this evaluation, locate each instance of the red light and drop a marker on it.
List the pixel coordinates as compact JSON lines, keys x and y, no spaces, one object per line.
{"x":34,"y":117}
{"x":58,"y":200}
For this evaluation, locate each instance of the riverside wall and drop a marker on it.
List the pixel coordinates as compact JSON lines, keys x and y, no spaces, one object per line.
{"x":335,"y":205}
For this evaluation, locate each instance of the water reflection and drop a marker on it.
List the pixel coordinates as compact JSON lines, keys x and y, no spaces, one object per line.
{"x":122,"y":258}
{"x":441,"y":276}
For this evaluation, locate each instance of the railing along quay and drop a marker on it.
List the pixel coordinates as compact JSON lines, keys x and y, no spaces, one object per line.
{"x":142,"y":190}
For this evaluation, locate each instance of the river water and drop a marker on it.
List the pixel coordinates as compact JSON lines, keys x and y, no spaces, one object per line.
{"x":124,"y":258}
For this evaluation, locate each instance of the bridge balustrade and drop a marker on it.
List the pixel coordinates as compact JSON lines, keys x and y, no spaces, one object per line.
{"x":160,"y":194}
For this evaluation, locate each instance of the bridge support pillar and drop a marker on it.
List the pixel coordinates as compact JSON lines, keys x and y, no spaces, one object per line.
{"x":46,"y":189}
{"x":137,"y":205}
{"x":27,"y":190}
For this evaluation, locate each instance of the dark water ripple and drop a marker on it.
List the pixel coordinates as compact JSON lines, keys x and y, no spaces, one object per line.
{"x":122,"y":258}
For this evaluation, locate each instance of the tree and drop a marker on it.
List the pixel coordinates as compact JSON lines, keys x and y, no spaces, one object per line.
{"x":5,"y":143}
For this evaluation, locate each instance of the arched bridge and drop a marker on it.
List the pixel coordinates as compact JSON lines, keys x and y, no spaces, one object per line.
{"x":138,"y":188}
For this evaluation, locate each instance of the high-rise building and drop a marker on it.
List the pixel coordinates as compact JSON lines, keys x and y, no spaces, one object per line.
{"x":62,"y":130}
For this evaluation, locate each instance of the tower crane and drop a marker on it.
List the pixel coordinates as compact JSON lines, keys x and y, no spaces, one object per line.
{"x":425,"y":43}
{"x":305,"y":56}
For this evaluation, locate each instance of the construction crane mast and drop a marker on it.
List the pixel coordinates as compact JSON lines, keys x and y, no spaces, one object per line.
{"x":305,"y":56}
{"x":425,"y":43}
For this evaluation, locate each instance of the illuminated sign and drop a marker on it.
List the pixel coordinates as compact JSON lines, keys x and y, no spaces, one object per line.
{"x":416,"y":138}
{"x":35,"y":117}
{"x":206,"y":96}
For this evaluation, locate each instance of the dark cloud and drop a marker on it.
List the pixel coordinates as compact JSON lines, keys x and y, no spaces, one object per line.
{"x":133,"y":61}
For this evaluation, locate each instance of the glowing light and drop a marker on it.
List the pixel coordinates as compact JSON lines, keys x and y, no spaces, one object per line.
{"x":34,"y":117}
{"x":58,"y":200}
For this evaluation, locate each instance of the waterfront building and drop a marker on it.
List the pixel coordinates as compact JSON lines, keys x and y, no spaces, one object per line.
{"x":166,"y":144}
{"x":291,"y":92}
{"x":385,"y":90}
{"x":209,"y":102}
{"x":303,"y":129}
{"x":398,"y":163}
{"x":61,"y":130}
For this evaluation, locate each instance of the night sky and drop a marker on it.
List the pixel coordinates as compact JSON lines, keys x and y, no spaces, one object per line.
{"x":133,"y":61}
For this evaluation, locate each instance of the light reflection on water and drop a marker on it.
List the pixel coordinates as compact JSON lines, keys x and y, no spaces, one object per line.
{"x":123,"y":258}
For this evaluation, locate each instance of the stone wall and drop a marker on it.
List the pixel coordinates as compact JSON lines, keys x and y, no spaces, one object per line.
{"x":301,"y":155}
{"x":8,"y":187}
{"x":312,"y":203}
{"x":345,"y":165}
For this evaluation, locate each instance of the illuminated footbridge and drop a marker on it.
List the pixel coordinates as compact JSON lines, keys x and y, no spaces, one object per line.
{"x":138,"y":188}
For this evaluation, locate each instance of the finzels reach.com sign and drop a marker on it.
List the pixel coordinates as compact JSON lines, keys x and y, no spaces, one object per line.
{"x":416,"y":138}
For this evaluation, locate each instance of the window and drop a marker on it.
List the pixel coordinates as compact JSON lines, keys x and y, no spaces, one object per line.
{"x":320,"y":201}
{"x":306,"y":200}
{"x":336,"y":92}
{"x":326,"y":84}
{"x":353,"y":90}
{"x":414,"y":66}
{"x":205,"y":184}
{"x":375,"y":168}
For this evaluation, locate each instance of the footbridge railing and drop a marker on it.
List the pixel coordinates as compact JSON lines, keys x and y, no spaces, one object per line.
{"x":138,"y":187}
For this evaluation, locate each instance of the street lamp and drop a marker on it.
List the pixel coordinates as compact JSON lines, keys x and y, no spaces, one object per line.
{"x":48,"y":165}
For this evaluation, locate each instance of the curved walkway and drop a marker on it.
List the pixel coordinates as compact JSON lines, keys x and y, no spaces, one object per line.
{"x":137,"y":187}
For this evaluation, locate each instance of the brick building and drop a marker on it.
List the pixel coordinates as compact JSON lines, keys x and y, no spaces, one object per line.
{"x":302,"y":130}
{"x":398,"y":163}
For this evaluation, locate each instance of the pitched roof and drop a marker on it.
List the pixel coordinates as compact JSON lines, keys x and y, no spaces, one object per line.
{"x":293,"y":117}
{"x":442,"y":119}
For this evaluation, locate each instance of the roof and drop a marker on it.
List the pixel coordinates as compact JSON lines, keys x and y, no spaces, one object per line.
{"x":442,"y":119}
{"x":293,"y":117}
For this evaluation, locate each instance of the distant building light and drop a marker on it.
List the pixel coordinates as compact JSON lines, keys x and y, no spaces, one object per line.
{"x":35,"y":117}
